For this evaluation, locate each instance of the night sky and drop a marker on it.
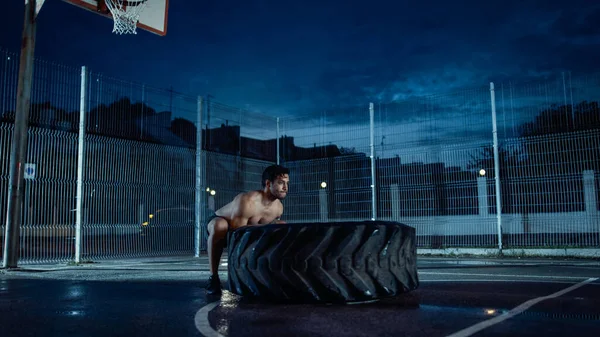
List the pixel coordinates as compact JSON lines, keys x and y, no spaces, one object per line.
{"x":285,"y":57}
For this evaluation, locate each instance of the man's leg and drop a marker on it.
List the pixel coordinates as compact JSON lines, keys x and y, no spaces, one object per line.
{"x":217,"y":232}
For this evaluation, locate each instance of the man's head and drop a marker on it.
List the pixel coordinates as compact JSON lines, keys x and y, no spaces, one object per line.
{"x":275,"y":180}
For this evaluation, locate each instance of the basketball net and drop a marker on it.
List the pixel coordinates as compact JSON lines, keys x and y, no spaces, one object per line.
{"x":126,"y":14}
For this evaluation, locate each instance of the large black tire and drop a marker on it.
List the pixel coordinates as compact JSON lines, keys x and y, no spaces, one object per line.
{"x":323,"y":262}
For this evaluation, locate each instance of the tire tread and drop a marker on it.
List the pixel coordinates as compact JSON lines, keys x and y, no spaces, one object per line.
{"x":323,"y":262}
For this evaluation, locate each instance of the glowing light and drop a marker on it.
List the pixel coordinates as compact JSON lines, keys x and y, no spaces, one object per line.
{"x":213,"y":192}
{"x":323,"y":184}
{"x":490,"y":311}
{"x":151,"y":216}
{"x":145,"y":223}
{"x":482,"y":172}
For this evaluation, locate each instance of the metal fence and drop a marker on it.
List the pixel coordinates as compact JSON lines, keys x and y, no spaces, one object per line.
{"x":433,"y":163}
{"x":140,"y":178}
{"x":430,"y":162}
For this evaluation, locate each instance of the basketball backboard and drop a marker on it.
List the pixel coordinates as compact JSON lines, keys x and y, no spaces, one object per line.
{"x":153,"y":18}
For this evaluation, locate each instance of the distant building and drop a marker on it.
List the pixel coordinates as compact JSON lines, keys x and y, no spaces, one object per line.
{"x":226,"y":139}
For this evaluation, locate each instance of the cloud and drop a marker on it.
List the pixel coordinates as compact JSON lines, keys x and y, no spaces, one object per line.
{"x":462,"y":117}
{"x":303,"y":59}
{"x":452,"y":52}
{"x":578,"y":23}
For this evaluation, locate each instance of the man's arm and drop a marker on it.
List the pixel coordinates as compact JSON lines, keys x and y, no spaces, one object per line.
{"x":279,"y":221}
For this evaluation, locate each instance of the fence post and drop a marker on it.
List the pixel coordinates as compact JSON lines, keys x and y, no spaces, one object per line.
{"x":277,"y":140}
{"x":590,"y":200}
{"x":372,"y":141}
{"x":496,"y":167}
{"x":482,"y":195}
{"x":395,"y":200}
{"x":80,"y":164}
{"x":323,"y":209}
{"x":199,"y":195}
{"x":143,"y":105}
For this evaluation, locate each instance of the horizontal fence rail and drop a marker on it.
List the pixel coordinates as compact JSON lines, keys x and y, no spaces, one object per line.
{"x":157,"y":163}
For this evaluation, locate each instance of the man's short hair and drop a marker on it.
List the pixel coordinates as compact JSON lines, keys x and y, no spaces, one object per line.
{"x":272,"y":172}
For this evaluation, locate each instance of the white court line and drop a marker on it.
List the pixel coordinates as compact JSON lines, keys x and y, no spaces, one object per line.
{"x":521,"y":308}
{"x":202,"y":323}
{"x":505,"y":275}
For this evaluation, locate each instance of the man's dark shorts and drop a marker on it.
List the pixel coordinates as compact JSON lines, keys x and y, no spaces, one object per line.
{"x":210,"y":217}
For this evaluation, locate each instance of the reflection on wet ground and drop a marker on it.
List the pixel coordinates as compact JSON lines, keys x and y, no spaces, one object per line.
{"x":436,"y":309}
{"x":527,"y":299}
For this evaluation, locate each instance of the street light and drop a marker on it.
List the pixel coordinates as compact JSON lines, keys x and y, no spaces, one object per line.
{"x":323,"y":184}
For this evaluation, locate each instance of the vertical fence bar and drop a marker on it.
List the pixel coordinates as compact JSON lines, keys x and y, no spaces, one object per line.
{"x":277,"y":141}
{"x":142,"y":117}
{"x":496,"y":167}
{"x":372,"y":141}
{"x":80,"y":165}
{"x":199,"y":183}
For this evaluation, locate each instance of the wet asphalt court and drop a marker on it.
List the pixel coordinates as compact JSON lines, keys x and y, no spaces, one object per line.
{"x":165,"y":297}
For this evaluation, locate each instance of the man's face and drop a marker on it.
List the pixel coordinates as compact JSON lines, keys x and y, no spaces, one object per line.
{"x":279,"y":187}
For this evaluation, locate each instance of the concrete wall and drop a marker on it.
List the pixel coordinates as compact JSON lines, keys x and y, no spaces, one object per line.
{"x":485,"y":223}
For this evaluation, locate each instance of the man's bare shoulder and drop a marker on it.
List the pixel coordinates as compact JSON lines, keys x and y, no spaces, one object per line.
{"x":279,"y":203}
{"x":249,"y":196}
{"x":247,"y":200}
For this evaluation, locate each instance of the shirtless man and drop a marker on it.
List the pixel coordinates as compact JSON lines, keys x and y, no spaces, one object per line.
{"x":258,"y":207}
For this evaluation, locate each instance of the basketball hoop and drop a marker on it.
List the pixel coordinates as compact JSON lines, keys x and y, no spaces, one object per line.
{"x":126,"y":14}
